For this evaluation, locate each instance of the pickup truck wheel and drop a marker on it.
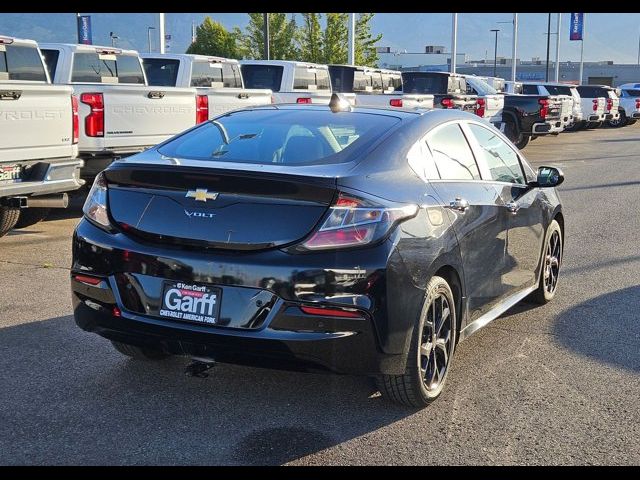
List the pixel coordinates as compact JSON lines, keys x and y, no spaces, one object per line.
{"x":512,"y":132}
{"x":630,"y":122}
{"x":8,"y":219}
{"x":522,"y":141}
{"x":620,"y":122}
{"x":139,"y":353}
{"x":31,"y":216}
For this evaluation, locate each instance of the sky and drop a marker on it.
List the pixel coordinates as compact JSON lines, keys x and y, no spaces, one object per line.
{"x":608,"y":36}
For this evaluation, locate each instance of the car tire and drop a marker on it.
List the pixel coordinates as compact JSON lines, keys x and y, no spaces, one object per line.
{"x":139,"y":353}
{"x":551,"y":263}
{"x":8,"y":219}
{"x":31,"y":216}
{"x":620,"y":122}
{"x":418,"y":386}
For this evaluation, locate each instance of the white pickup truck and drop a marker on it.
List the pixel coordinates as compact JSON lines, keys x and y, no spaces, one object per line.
{"x":290,"y":81}
{"x":603,"y":107}
{"x":490,"y":102}
{"x":629,"y":107}
{"x":568,"y":101}
{"x":374,"y":87}
{"x":38,"y":137}
{"x":218,"y":81}
{"x":119,"y":113}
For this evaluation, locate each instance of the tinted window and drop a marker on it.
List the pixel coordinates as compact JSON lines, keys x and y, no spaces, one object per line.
{"x":377,"y":82}
{"x":262,"y":76}
{"x":341,"y":79}
{"x":587,"y":91}
{"x":424,"y":83}
{"x":391,"y":82}
{"x":289,"y":137}
{"x":161,"y":72}
{"x":632,"y":93}
{"x":481,"y":87}
{"x":421,"y":161}
{"x":361,"y":81}
{"x":51,"y":61}
{"x":231,"y":76}
{"x":501,"y":159}
{"x":558,"y":90}
{"x":530,"y":89}
{"x":311,"y":78}
{"x":452,"y":154}
{"x":22,"y":63}
{"x":107,"y":68}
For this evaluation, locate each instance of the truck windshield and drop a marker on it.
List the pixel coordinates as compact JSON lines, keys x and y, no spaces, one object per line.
{"x":161,"y":72}
{"x":262,"y":76}
{"x":21,"y":62}
{"x":93,"y":67}
{"x":282,"y":136}
{"x":434,"y":83}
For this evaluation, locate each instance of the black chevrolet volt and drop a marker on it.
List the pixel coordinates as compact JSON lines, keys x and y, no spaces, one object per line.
{"x":318,"y":238}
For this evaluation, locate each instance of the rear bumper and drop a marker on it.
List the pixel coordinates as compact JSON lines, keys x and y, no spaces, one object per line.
{"x":44,"y":178}
{"x":544,"y":128}
{"x":608,"y":116}
{"x":635,"y":115}
{"x":260,"y":321}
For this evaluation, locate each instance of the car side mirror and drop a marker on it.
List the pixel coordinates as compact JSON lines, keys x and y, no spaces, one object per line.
{"x":549,"y":177}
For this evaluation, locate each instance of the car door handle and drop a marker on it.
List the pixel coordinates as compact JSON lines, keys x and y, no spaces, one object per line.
{"x":513,"y":206}
{"x":459,"y":204}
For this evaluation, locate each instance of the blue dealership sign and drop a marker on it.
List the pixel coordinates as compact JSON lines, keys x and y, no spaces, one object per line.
{"x":84,"y":29}
{"x":577,"y":25}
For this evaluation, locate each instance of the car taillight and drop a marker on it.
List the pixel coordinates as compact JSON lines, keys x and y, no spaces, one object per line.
{"x":95,"y":206}
{"x":447,"y":102}
{"x":202,"y":108}
{"x":94,"y":122}
{"x":480,"y":103}
{"x":303,"y":100}
{"x":395,"y":102}
{"x":76,"y":122}
{"x":637,"y":103}
{"x":352,"y":221}
{"x":273,"y":99}
{"x":331,"y":312}
{"x":544,"y":107}
{"x":595,"y":104}
{"x":609,"y":104}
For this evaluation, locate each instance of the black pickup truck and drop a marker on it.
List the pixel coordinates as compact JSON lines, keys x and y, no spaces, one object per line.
{"x":528,"y":116}
{"x":448,"y":89}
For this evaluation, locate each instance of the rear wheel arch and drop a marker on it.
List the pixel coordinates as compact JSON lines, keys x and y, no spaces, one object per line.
{"x":559,"y":217}
{"x":451,"y":275}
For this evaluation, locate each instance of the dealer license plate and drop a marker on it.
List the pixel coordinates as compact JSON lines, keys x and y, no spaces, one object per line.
{"x":10,"y":173}
{"x":190,"y":302}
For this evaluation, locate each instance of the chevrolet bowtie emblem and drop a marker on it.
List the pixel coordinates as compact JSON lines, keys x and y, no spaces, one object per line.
{"x":201,"y":195}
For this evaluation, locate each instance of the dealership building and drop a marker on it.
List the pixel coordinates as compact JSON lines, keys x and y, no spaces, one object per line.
{"x":435,"y":58}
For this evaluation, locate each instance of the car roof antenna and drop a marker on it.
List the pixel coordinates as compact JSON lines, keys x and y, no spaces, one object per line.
{"x":339,"y":104}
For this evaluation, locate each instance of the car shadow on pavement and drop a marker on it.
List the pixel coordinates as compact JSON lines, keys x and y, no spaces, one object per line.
{"x":68,"y":397}
{"x":605,"y":328}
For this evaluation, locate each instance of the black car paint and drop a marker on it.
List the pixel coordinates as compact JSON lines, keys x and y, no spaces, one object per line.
{"x":460,"y":100}
{"x":384,"y":282}
{"x":524,"y":111}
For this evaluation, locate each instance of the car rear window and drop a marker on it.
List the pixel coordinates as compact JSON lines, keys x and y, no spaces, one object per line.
{"x":341,"y":78}
{"x":216,"y":74}
{"x":587,"y":91}
{"x":311,"y":78}
{"x":280,"y":137}
{"x":51,"y":61}
{"x":632,"y":93}
{"x":94,"y":67}
{"x":424,"y":83}
{"x":21,"y":62}
{"x":161,"y":72}
{"x":262,"y":76}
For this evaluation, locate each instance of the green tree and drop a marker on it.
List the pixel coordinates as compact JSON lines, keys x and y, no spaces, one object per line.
{"x":282,"y":37}
{"x":365,"y":42}
{"x":335,"y":38}
{"x":213,"y":39}
{"x":310,"y":38}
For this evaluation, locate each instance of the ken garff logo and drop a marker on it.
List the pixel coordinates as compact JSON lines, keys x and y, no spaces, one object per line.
{"x":201,"y":195}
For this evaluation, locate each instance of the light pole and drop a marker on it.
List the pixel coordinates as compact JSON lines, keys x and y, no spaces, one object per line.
{"x":513,"y":22}
{"x":454,"y":42}
{"x":546,"y":75}
{"x":113,"y":39}
{"x":265,"y":28}
{"x":495,"y":53}
{"x":149,"y":36}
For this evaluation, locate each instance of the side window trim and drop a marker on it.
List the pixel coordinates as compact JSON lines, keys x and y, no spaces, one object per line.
{"x":485,"y":173}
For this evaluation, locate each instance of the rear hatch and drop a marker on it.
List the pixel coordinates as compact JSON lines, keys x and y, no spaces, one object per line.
{"x":216,"y":208}
{"x":414,"y":100}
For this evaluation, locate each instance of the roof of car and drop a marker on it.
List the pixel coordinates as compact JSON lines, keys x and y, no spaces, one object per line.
{"x":283,"y":63}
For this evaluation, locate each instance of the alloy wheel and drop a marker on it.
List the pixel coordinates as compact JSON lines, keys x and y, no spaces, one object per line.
{"x":552,"y":262}
{"x":436,"y":344}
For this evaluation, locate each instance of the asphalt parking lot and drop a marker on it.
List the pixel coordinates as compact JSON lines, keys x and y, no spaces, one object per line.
{"x":557,"y":384}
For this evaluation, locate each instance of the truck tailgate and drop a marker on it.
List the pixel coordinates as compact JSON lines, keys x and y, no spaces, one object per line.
{"x":493,"y":107}
{"x":35,"y":122}
{"x":137,"y":117}
{"x":222,"y":100}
